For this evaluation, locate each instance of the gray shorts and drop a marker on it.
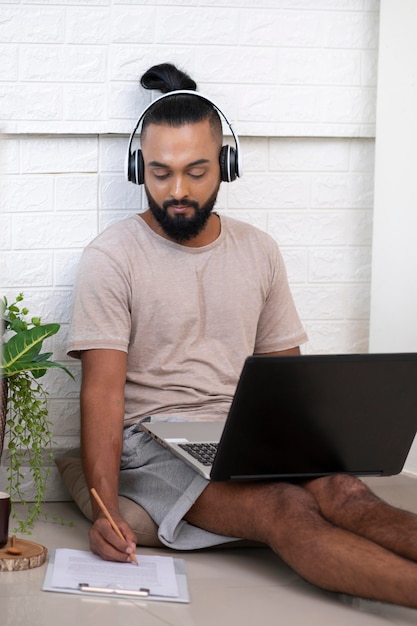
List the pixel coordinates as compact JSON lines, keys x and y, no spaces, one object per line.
{"x":166,"y":488}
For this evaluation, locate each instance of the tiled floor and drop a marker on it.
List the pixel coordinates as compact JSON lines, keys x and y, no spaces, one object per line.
{"x":245,"y":587}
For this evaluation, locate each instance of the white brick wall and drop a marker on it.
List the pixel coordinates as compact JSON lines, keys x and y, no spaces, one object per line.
{"x":298,"y":79}
{"x":281,"y":67}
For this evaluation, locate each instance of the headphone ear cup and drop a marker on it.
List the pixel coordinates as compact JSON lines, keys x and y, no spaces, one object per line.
{"x":228,"y":164}
{"x":135,"y":173}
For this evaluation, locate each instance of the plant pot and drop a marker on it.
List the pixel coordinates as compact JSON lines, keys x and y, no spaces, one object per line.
{"x":3,"y":412}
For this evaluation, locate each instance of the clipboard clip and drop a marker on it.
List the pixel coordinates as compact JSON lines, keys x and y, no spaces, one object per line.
{"x":111,"y":591}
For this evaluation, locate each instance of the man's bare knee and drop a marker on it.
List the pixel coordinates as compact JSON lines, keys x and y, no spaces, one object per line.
{"x":253,"y":511}
{"x":295,"y":500}
{"x":290,"y":510}
{"x":335,"y":492}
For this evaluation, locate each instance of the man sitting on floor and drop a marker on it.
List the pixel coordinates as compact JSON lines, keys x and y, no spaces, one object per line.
{"x":167,"y":306}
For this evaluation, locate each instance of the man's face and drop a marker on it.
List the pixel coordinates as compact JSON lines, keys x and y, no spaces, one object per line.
{"x":182,"y":177}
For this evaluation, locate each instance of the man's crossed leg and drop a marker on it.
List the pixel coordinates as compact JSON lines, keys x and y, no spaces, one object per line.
{"x":333,"y":531}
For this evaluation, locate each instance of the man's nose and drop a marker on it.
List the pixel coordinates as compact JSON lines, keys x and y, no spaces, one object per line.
{"x":179,"y":187}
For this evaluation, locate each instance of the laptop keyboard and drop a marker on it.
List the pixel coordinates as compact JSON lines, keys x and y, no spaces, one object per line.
{"x":203,"y":452}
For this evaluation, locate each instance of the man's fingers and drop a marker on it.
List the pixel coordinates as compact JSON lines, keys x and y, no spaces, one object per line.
{"x":105,"y":542}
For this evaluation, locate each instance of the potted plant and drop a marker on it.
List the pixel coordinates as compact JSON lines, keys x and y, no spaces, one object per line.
{"x":24,"y":416}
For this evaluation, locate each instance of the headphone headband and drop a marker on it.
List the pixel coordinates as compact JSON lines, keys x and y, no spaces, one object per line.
{"x":229,"y":157}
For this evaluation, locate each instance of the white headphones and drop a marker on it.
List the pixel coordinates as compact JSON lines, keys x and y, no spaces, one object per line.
{"x":229,"y":158}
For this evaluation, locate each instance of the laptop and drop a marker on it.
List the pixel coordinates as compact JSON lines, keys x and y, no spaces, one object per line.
{"x":299,"y":417}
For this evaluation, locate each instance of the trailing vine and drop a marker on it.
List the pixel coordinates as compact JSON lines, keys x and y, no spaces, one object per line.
{"x":27,"y":426}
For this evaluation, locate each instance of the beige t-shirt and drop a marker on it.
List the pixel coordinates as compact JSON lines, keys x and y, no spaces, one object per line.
{"x":187,"y":317}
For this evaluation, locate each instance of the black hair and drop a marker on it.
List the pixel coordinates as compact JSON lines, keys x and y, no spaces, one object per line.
{"x":180,"y":109}
{"x":166,"y":77}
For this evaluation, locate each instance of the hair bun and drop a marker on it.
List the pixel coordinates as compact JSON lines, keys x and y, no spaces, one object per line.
{"x":165,"y":78}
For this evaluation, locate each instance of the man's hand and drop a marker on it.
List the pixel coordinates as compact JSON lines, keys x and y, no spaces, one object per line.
{"x":105,"y":542}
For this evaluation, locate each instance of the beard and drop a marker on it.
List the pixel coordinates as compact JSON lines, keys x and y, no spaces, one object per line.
{"x":180,"y":228}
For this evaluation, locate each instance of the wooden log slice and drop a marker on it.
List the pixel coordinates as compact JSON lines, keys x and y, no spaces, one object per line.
{"x":33,"y":555}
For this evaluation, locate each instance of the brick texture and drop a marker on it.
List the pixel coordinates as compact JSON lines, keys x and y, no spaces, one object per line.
{"x":277,"y":67}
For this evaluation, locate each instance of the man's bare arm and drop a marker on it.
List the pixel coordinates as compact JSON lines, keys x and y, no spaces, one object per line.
{"x":102,"y":414}
{"x":290,"y":352}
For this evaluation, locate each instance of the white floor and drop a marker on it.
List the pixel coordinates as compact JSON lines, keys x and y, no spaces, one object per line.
{"x":245,"y":587}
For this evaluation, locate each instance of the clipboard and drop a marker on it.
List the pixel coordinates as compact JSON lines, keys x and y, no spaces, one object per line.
{"x":87,"y":590}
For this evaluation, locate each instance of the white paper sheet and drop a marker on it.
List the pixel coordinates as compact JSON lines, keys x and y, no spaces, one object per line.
{"x":75,"y":567}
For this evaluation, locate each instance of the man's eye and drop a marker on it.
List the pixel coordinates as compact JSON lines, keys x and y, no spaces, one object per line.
{"x":160,"y":175}
{"x":196,"y":173}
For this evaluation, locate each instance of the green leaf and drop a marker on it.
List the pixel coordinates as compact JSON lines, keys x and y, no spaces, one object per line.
{"x":42,"y":357}
{"x":18,"y":325}
{"x":25,"y":346}
{"x":38,"y":368}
